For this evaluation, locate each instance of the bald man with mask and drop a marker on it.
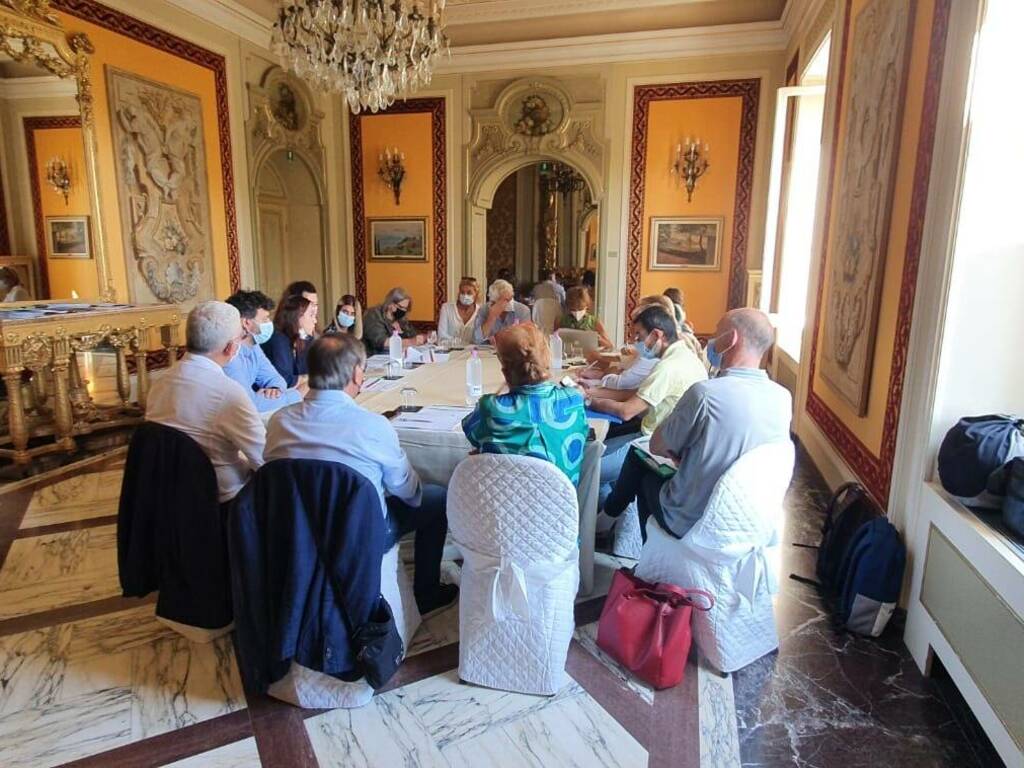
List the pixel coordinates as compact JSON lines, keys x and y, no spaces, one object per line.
{"x":713,"y":424}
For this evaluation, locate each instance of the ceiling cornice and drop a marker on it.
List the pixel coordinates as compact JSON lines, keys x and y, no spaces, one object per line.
{"x":628,"y":46}
{"x":509,"y":10}
{"x":230,"y":16}
{"x":42,"y":87}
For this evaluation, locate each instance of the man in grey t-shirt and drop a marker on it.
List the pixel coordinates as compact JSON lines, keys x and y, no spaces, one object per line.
{"x":714,"y":423}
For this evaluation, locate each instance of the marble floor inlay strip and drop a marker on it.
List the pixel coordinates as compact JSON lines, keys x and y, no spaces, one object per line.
{"x":72,"y":613}
{"x":79,"y":497}
{"x":241,"y":754}
{"x":46,"y":572}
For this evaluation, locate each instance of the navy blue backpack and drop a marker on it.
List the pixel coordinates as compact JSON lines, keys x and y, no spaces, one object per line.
{"x":860,"y":563}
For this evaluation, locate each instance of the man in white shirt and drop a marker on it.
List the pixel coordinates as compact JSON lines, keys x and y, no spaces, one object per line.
{"x":330,"y":426}
{"x":197,"y":398}
{"x":549,"y":287}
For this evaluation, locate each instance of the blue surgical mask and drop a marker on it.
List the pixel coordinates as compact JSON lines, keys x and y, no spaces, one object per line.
{"x":643,"y":350}
{"x":714,"y":356}
{"x":265,"y":332}
{"x":346,"y":321}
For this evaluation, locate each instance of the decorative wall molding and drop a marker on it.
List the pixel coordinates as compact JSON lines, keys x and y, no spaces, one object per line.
{"x":475,"y":12}
{"x":134,"y":29}
{"x":31,"y":125}
{"x":499,"y":144}
{"x":875,"y":472}
{"x":232,"y":17}
{"x":691,"y":42}
{"x":436,"y":107}
{"x":37,"y":88}
{"x":747,"y":89}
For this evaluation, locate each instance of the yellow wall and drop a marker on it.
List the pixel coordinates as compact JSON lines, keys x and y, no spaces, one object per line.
{"x":716,"y":121}
{"x":411,"y":133}
{"x":869,"y":428}
{"x":126,"y":54}
{"x":64,"y":275}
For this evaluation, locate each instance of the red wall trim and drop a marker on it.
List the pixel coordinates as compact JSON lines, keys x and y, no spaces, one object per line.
{"x":130,"y":27}
{"x":875,"y":472}
{"x":33,"y":124}
{"x":435,"y":106}
{"x":643,"y":95}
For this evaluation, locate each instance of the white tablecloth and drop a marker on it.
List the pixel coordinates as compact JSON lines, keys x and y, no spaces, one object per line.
{"x":436,"y":454}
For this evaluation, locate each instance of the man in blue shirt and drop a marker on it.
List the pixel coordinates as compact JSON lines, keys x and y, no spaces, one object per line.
{"x":715,"y":422}
{"x":250,"y":367}
{"x":330,"y":426}
{"x":500,"y":312}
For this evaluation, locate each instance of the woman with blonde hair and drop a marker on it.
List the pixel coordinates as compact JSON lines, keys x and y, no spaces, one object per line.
{"x":535,"y":417}
{"x":457,"y":318}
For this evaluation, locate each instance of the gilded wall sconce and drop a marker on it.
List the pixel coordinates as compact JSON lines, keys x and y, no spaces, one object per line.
{"x":58,"y":176}
{"x":392,"y":170}
{"x":690,"y":164}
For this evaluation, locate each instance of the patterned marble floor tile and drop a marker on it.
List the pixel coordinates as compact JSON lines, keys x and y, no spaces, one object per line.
{"x":569,"y":732}
{"x":586,"y":636}
{"x":719,"y":733}
{"x":240,"y":754}
{"x":440,"y":722}
{"x":79,"y":497}
{"x":77,"y":689}
{"x":59,"y":569}
{"x":436,"y":632}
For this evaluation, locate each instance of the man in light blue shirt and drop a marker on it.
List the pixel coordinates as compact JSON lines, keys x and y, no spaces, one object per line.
{"x":500,"y":312}
{"x":329,"y":425}
{"x":715,"y":422}
{"x":251,"y":368}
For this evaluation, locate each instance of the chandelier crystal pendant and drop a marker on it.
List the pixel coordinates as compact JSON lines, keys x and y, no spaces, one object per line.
{"x":369,"y":51}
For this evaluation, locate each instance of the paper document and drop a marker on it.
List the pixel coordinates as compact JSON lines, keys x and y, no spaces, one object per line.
{"x":377,"y":361}
{"x":434,"y":418}
{"x":380,"y":384}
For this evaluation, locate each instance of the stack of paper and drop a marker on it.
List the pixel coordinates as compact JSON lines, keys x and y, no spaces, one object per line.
{"x":433,"y":418}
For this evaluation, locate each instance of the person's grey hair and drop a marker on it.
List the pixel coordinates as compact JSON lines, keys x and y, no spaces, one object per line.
{"x":332,"y":361}
{"x":395,"y":296}
{"x":500,"y":289}
{"x":211,"y":325}
{"x":754,"y":327}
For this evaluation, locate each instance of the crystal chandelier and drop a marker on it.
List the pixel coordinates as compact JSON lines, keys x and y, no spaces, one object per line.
{"x":369,"y":51}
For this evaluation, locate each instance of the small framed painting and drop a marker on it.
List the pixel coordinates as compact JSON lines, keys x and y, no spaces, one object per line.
{"x":67,"y":237}
{"x":398,"y":239}
{"x":686,"y":243}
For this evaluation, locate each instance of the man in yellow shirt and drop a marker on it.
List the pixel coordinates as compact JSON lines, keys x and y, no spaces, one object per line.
{"x":655,"y":334}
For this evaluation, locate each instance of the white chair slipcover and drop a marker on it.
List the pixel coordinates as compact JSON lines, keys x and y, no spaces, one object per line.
{"x":516,"y":521}
{"x":305,"y":687}
{"x":545,"y":313}
{"x":726,"y":553}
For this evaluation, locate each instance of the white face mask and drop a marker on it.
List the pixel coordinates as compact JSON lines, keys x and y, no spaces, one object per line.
{"x":466,"y":299}
{"x":579,"y":314}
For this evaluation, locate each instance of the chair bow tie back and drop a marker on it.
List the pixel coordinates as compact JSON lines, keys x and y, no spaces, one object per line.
{"x":509,"y":593}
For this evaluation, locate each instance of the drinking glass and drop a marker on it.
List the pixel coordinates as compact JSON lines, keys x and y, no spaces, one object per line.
{"x":394,"y":369}
{"x":408,"y":399}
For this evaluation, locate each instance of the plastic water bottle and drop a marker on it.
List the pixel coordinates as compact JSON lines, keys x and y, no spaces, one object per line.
{"x":395,"y":347}
{"x":556,"y":351}
{"x":474,"y":379}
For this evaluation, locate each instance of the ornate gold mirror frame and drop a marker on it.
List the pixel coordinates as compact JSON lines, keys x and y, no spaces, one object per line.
{"x":31,"y":33}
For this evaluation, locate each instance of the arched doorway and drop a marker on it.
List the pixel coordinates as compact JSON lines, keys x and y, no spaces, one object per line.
{"x":542,"y":215}
{"x":291,"y":242}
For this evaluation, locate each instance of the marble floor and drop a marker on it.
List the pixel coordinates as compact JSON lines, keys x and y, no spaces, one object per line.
{"x":90,"y":678}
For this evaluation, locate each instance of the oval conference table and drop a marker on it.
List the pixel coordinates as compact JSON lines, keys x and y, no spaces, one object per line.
{"x":435,"y":454}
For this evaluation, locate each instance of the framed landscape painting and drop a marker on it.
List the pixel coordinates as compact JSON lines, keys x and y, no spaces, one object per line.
{"x":67,"y":237}
{"x":398,"y":239}
{"x":686,"y":243}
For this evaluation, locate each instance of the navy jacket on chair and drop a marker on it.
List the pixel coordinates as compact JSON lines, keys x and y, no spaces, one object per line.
{"x":285,"y":605}
{"x":171,"y":529}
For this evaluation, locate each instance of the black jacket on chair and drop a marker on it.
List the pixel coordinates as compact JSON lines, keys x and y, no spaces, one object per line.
{"x":285,"y":604}
{"x":171,"y":532}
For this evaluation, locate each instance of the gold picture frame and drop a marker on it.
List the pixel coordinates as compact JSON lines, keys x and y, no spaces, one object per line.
{"x":397,"y":239}
{"x":686,"y":243}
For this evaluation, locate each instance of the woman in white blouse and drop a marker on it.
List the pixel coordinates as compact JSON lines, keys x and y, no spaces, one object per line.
{"x":458,"y":317}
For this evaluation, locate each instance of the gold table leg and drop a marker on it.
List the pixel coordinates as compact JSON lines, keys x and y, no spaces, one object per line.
{"x":141,"y":377}
{"x":16,"y":415}
{"x":62,"y":414}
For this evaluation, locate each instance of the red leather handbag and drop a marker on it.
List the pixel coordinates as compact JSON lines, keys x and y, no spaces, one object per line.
{"x":646,"y":627}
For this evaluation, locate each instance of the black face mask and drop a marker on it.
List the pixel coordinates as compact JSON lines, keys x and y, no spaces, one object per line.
{"x":399,"y":313}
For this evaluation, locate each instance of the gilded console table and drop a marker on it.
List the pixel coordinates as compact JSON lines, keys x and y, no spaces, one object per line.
{"x":45,"y":339}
